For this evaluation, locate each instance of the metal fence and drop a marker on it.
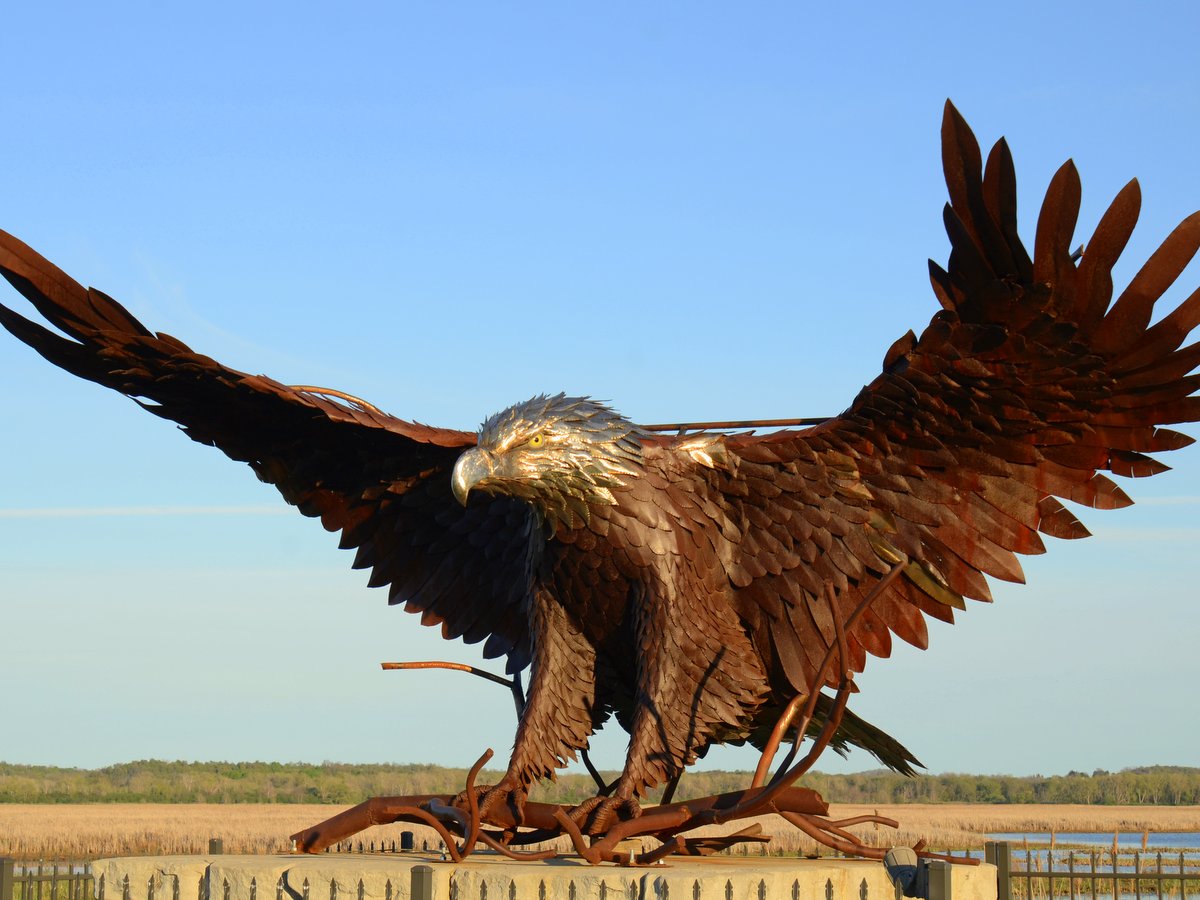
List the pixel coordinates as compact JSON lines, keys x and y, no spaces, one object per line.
{"x":1078,"y":874}
{"x":45,"y":881}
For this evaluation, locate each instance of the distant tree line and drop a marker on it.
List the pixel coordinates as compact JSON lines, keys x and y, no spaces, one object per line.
{"x":154,"y":781}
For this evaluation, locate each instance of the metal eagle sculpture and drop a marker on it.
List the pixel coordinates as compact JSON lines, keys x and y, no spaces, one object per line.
{"x":706,"y":587}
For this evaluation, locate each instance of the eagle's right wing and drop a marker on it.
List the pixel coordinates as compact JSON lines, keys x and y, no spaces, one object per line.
{"x":382,"y":481}
{"x":1028,"y":387}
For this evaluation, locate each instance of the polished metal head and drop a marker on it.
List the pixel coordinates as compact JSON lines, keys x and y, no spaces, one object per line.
{"x":561,"y":454}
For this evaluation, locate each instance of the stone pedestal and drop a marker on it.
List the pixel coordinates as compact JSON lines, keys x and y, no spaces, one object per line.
{"x":484,"y":876}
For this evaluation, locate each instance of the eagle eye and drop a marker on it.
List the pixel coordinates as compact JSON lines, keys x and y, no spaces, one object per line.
{"x":537,"y":440}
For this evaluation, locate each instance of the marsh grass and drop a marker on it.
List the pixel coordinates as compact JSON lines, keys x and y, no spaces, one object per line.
{"x":92,"y":831}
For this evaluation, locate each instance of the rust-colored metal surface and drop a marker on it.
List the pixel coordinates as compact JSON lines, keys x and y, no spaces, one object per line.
{"x":713,"y":585}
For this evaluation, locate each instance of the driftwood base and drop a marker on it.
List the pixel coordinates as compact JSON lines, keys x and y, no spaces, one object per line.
{"x":456,"y":820}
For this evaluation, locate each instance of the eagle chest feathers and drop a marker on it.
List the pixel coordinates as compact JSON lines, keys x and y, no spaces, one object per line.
{"x":633,"y":555}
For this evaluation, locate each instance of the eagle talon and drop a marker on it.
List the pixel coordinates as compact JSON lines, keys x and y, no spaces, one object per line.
{"x":598,"y":815}
{"x":507,"y":792}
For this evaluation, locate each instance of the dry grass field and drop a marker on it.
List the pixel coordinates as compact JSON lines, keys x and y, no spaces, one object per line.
{"x":88,"y":831}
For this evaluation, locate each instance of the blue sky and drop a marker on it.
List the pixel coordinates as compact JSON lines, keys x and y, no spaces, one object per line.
{"x":695,"y":211}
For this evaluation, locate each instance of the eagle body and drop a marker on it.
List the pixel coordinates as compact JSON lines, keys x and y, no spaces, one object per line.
{"x":627,"y":584}
{"x":694,"y":585}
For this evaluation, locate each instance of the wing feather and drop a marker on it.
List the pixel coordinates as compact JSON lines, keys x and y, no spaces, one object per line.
{"x":381,"y":481}
{"x":1027,"y":387}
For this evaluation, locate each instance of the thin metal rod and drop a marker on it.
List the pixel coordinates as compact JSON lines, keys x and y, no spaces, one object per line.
{"x":600,"y":785}
{"x":669,"y":792}
{"x":668,"y":426}
{"x":457,"y":667}
{"x":743,"y":423}
{"x":340,"y":395}
{"x":518,"y":692}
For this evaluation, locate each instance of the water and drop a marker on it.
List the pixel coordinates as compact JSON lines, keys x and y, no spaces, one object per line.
{"x":1131,"y":840}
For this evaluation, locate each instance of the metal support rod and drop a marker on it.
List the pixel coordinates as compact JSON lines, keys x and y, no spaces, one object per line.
{"x":669,"y":791}
{"x":601,"y":787}
{"x":518,"y":692}
{"x":351,"y":400}
{"x":735,"y":424}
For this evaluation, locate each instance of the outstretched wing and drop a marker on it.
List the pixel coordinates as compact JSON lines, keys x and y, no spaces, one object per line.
{"x":1022,"y":391}
{"x":383,"y":482}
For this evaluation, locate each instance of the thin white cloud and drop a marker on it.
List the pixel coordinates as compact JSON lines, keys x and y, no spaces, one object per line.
{"x":79,"y":512}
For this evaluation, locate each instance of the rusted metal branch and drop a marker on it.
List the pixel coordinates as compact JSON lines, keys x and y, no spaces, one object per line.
{"x":473,"y":802}
{"x":440,"y":664}
{"x":813,"y":828}
{"x":772,"y":745}
{"x":542,"y":817}
{"x":506,"y":850}
{"x":786,"y":776}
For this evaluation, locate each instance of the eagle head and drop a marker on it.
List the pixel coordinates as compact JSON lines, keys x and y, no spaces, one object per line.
{"x":561,"y":454}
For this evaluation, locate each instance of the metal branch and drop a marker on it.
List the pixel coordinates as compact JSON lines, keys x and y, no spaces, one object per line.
{"x":772,"y":745}
{"x":786,"y":776}
{"x":523,"y":855}
{"x":457,"y":667}
{"x":473,"y":802}
{"x":810,"y":826}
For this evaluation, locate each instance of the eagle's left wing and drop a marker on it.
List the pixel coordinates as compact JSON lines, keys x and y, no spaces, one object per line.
{"x":382,"y":481}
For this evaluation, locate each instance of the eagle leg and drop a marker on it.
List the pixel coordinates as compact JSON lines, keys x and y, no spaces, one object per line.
{"x":560,"y":712}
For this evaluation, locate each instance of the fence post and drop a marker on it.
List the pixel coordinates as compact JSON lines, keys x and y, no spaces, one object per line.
{"x":420,"y":886}
{"x":999,"y":854}
{"x":7,"y":882}
{"x":939,"y":879}
{"x":216,"y":846}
